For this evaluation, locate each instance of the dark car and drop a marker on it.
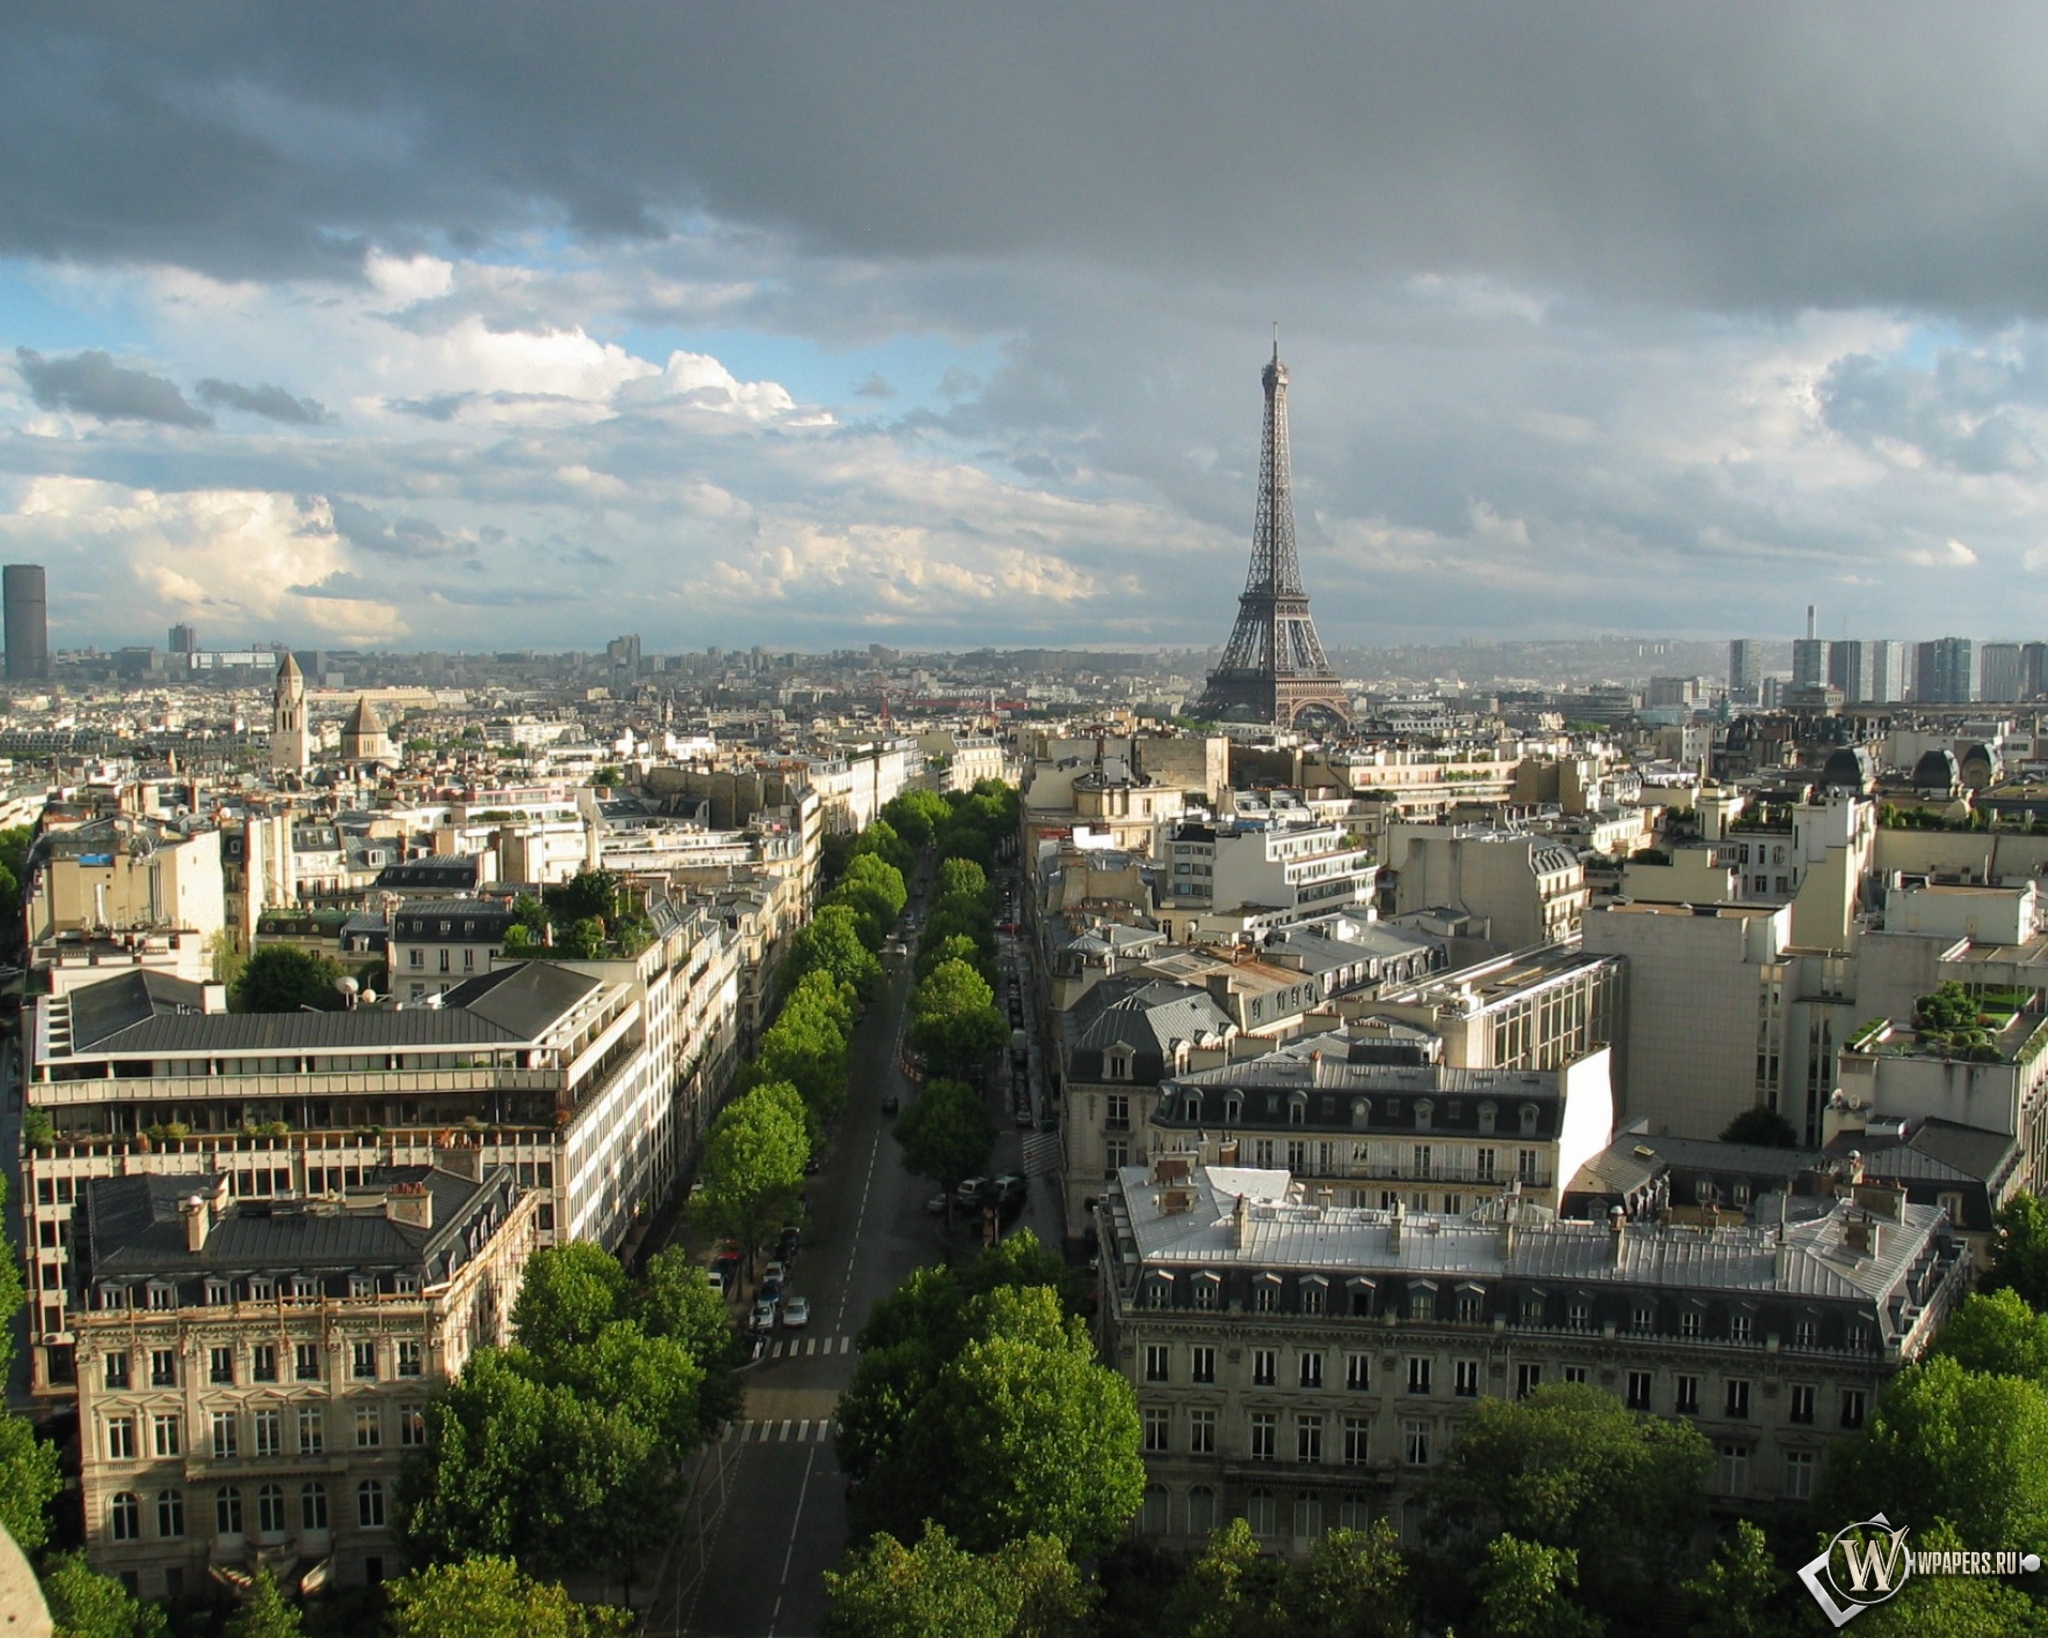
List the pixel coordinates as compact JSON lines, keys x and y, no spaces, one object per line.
{"x":890,"y":1104}
{"x":787,"y":1243}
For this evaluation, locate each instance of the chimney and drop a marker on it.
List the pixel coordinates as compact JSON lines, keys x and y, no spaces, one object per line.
{"x":1238,"y":1217}
{"x":1510,"y":1210}
{"x":198,"y":1214}
{"x":1395,"y":1219}
{"x":463,"y":1160}
{"x":213,"y":998}
{"x":411,"y":1204}
{"x":1617,"y":1220}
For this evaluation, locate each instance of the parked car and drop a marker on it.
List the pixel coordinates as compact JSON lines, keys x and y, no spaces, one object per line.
{"x":787,"y":1245}
{"x":936,"y":1204}
{"x":1007,"y":1189}
{"x":969,"y":1192}
{"x":890,"y":1104}
{"x":796,"y":1312}
{"x":716,"y":1276}
{"x":764,"y":1314}
{"x":775,"y":1271}
{"x":769,"y":1290}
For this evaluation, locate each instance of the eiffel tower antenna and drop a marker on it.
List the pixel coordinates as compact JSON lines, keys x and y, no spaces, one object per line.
{"x":1274,"y":668}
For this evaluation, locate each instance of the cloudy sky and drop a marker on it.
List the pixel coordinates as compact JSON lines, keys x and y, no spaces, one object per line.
{"x":509,"y":324}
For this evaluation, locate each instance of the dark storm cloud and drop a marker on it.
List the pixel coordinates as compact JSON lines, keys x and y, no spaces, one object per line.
{"x":94,"y":384}
{"x":1738,"y":154}
{"x":371,"y":530}
{"x":272,"y":403}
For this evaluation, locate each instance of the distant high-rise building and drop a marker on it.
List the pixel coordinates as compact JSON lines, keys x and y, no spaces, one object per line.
{"x":1809,"y":662}
{"x":27,"y":619}
{"x":2000,"y":674}
{"x":1886,"y":667}
{"x":2033,"y":671}
{"x":1745,"y":667}
{"x":184,"y":640}
{"x":1944,"y":672}
{"x":1849,"y":670}
{"x":624,"y":652}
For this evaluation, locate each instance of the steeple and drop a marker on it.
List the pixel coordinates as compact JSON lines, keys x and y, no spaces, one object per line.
{"x":1274,"y":668}
{"x":290,"y":749}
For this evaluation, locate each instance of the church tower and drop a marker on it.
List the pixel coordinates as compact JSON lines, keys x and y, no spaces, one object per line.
{"x":290,"y":749}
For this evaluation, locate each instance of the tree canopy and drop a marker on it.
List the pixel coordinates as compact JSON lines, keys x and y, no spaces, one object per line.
{"x":954,"y":1021}
{"x":753,"y":1167}
{"x":2019,"y":1250}
{"x":1763,"y":1126}
{"x":1024,"y":1589}
{"x":831,"y":943}
{"x":1998,"y":1334}
{"x":1354,"y":1584}
{"x":285,"y":978}
{"x":490,"y":1597}
{"x":86,"y":1604}
{"x":916,"y":816}
{"x":946,"y":1133}
{"x":264,"y":1613}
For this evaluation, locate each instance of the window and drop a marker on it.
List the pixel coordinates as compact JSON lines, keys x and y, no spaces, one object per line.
{"x":163,"y":1368}
{"x":1526,"y":1168}
{"x":1689,"y":1323}
{"x":1852,"y":1408}
{"x":1859,"y":1338}
{"x":117,"y":1371}
{"x":1799,"y":1475}
{"x":1422,"y":1304}
{"x":224,"y":1441}
{"x":1156,"y":1357}
{"x":1465,"y":1378}
{"x":1686,"y":1396}
{"x":1357,"y":1372}
{"x":121,"y":1439}
{"x":1202,"y":1433}
{"x":1418,"y":1373}
{"x":216,"y":1293}
{"x":1265,"y":1435}
{"x":261,"y":1289}
{"x":124,"y":1516}
{"x":1311,"y":1370}
{"x":1117,"y":1107}
{"x":270,"y":1510}
{"x":1420,"y":1167}
{"x":1579,"y":1316}
{"x":1205,"y":1295}
{"x":1576,"y":1373}
{"x":1805,"y":1334}
{"x":306,"y":1362}
{"x":370,"y":1505}
{"x":220,"y":1366}
{"x":1644,"y":1319}
{"x":1415,"y":1443}
{"x":1201,"y":1510}
{"x":263,"y":1362}
{"x":227,"y":1511}
{"x":313,"y":1507}
{"x":1308,"y":1438}
{"x":1201,"y":1364}
{"x":1528,"y":1378}
{"x":1471,"y":1308}
{"x":1312,"y":1297}
{"x":1357,"y":1440}
{"x":416,"y":958}
{"x":170,"y":1514}
{"x":312,"y":1430}
{"x":1532,"y":1310}
{"x":1265,"y":1297}
{"x":1483,"y":1163}
{"x":362,"y":1285}
{"x":167,"y":1435}
{"x":1156,"y":1424}
{"x":1261,"y":1514}
{"x":369,"y":1428}
{"x":412,"y":1425}
{"x":1736,"y":1401}
{"x":1801,"y":1410}
{"x":269,"y":1426}
{"x":1738,"y":1327}
{"x":1308,"y":1516}
{"x":1639,"y":1390}
{"x":1265,"y":1367}
{"x":1734,"y":1470}
{"x":363,"y":1361}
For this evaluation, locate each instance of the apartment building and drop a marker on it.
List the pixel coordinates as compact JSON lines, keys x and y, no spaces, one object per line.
{"x":1527,"y":888}
{"x":1231,"y":875}
{"x":123,"y":871}
{"x":1534,"y":1009}
{"x":1304,"y":1366}
{"x":1361,"y":1119}
{"x":437,"y":944}
{"x":252,"y":1373}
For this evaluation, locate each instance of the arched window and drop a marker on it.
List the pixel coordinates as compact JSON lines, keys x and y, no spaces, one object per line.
{"x":1152,"y":1519}
{"x":270,"y":1510}
{"x":313,"y":1507}
{"x":370,"y":1505}
{"x":1261,"y":1513}
{"x":124,"y":1516}
{"x":1297,"y":1110}
{"x":170,"y":1514}
{"x":1201,"y":1510}
{"x":1487,"y":1114}
{"x":1424,"y":1109}
{"x":1528,"y":1120}
{"x":1233,"y":1111}
{"x":227,"y":1511}
{"x":1361,"y":1114}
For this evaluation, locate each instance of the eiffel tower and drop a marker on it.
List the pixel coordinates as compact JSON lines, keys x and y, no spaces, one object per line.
{"x":1274,"y":669}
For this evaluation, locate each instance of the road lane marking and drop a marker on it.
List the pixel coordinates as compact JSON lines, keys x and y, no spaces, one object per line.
{"x":789,"y":1553}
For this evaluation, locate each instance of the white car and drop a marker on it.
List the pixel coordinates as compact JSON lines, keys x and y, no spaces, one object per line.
{"x":775,"y":1272}
{"x":796,"y":1312}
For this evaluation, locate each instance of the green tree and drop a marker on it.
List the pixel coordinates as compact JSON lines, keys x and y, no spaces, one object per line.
{"x":521,"y":940}
{"x":1998,"y":1334}
{"x":1969,"y":1448}
{"x":1951,"y":1606}
{"x":581,"y":940}
{"x":955,"y":947}
{"x":958,"y":918}
{"x":947,"y":1133}
{"x":916,"y":816}
{"x":1949,"y":1007}
{"x":753,"y":1168}
{"x":29,"y":1482}
{"x":880,"y":839}
{"x":285,"y":978}
{"x":806,"y":1047}
{"x":264,"y":1613}
{"x":1354,"y":1585}
{"x":873,"y":890}
{"x":1232,"y":1590}
{"x":2019,"y":1250}
{"x":608,"y":777}
{"x":1735,"y":1595}
{"x":1763,"y":1126}
{"x":1570,"y":1468}
{"x":589,"y":894}
{"x":964,"y":879}
{"x":1025,"y":1589}
{"x":1021,"y":1433}
{"x":570,"y":1293}
{"x":1525,"y":1591}
{"x":530,"y":913}
{"x":678,"y":1302}
{"x":84,"y":1604}
{"x":830,"y":943}
{"x":490,"y":1597}
{"x":954,"y":1021}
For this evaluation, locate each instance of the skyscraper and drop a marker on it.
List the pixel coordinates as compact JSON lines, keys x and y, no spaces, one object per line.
{"x":2000,"y":675}
{"x":1745,"y":667}
{"x":184,"y":640}
{"x":1886,"y":670}
{"x":27,"y":620}
{"x":1943,"y":671}
{"x":1849,"y":670}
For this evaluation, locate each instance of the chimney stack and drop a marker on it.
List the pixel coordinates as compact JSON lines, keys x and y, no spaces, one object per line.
{"x":1238,"y":1217}
{"x":411,"y":1204}
{"x":1395,"y":1219}
{"x":197,"y":1211}
{"x":1617,"y":1221}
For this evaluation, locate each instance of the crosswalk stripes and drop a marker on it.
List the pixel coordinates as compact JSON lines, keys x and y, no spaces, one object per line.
{"x":808,"y":1347}
{"x":786,"y":1430}
{"x":1041,"y":1153}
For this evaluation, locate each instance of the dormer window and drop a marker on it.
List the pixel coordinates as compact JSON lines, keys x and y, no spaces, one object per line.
{"x":1361,"y":1113}
{"x":1297,"y":1110}
{"x":1116,"y":1063}
{"x":1487,"y":1113}
{"x":1424,"y":1109}
{"x":1528,"y":1120}
{"x":1233,"y":1111}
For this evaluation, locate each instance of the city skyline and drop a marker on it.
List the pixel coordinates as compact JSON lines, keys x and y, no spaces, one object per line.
{"x":948,"y":349}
